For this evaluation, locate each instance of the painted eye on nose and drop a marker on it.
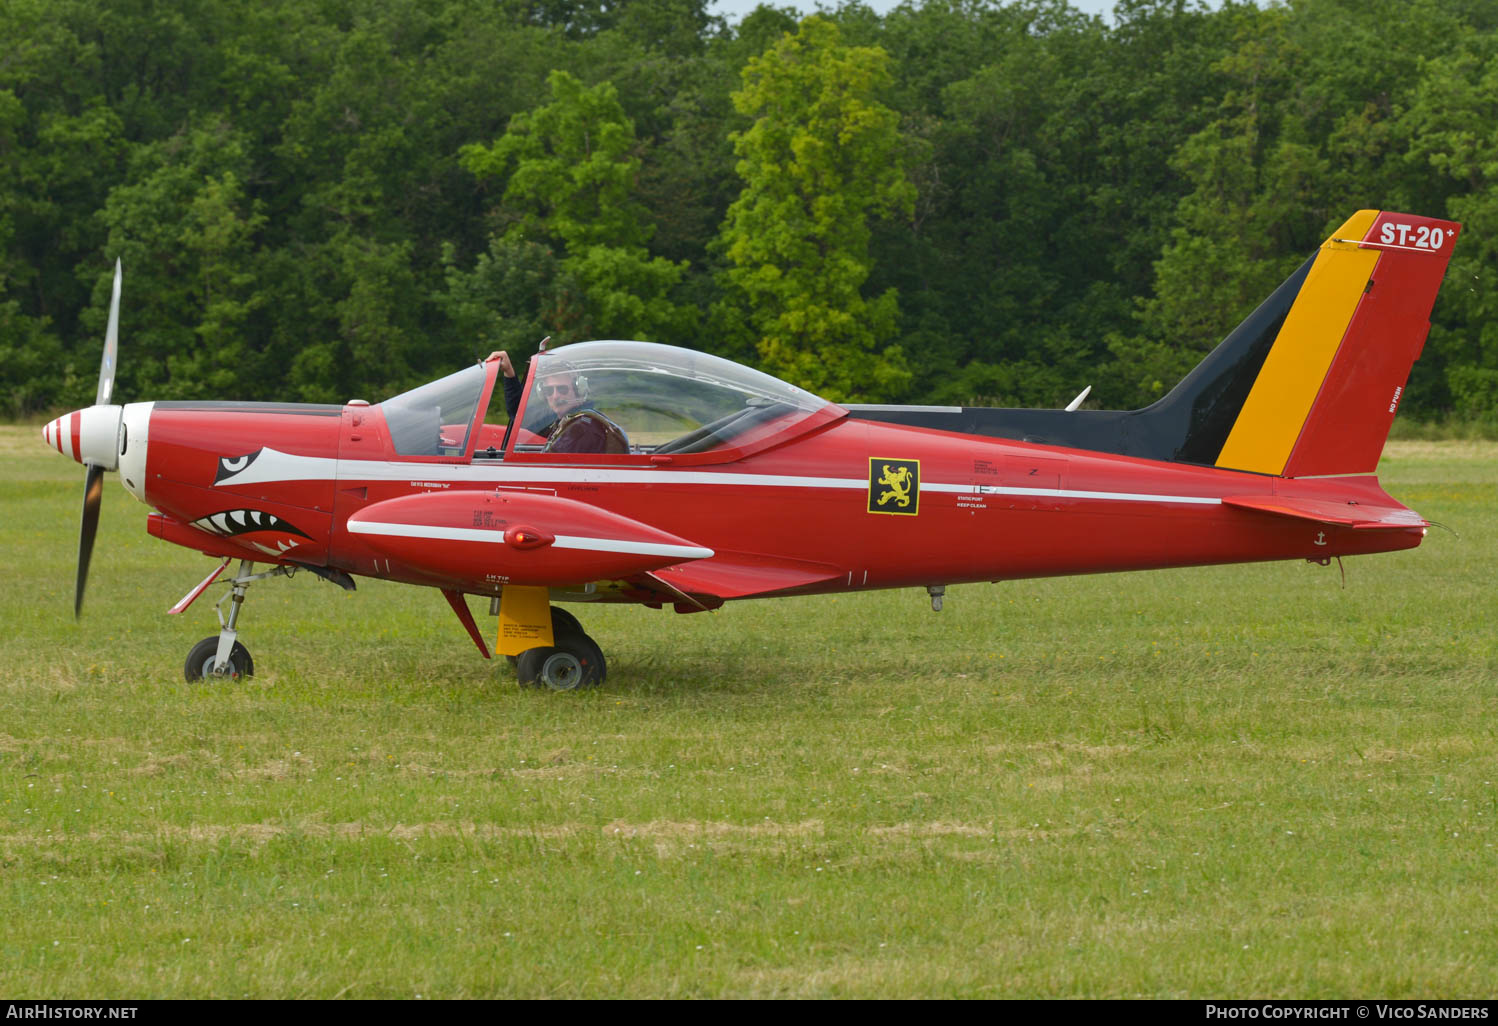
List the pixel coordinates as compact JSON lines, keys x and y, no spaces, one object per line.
{"x":229,"y":466}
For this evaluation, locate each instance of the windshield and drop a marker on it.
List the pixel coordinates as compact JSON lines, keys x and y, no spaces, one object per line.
{"x":433,"y":420}
{"x":660,"y":398}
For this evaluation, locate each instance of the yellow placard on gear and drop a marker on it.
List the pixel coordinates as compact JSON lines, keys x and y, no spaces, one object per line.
{"x":524,"y":619}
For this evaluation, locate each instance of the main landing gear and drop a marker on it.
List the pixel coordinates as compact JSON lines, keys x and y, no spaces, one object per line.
{"x":574,"y":661}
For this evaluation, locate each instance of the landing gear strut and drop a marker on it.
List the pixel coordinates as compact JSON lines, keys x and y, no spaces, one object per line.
{"x":574,"y":661}
{"x":223,"y":656}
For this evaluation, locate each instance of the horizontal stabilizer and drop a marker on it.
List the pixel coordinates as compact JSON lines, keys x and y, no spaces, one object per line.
{"x":1328,"y":511}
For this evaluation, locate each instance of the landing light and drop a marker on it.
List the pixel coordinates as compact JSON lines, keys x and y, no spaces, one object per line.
{"x":521,"y":537}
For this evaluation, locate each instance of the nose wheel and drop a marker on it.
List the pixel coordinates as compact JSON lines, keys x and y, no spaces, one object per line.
{"x":203,"y":659}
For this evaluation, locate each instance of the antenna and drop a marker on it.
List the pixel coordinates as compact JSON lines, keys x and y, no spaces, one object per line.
{"x":1071,"y":407}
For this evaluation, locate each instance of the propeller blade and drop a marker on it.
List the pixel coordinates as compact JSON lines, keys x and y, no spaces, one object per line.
{"x":93,"y":485}
{"x":93,"y":497}
{"x":111,"y":343}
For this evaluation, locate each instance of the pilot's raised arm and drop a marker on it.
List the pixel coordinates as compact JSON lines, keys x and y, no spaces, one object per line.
{"x":512,"y":387}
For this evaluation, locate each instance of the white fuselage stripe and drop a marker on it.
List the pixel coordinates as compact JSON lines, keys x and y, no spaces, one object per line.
{"x":1070,"y":493}
{"x":273,"y":466}
{"x":563,"y":541}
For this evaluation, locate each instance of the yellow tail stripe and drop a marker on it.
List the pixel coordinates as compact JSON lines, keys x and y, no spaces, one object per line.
{"x":1281,"y":398}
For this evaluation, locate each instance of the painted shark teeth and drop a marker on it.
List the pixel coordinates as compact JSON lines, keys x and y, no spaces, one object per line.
{"x":231,"y":522}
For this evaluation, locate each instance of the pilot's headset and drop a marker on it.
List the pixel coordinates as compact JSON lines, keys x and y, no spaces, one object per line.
{"x":556,"y":367}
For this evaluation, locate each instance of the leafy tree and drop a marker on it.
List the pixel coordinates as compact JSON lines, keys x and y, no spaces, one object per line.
{"x":514,"y":295}
{"x":186,"y":232}
{"x":1453,"y":130}
{"x":1093,"y":202}
{"x":822,"y":158}
{"x":1305,"y":133}
{"x":571,"y":169}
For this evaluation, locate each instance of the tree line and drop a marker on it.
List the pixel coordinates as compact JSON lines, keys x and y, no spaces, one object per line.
{"x":958,"y":201}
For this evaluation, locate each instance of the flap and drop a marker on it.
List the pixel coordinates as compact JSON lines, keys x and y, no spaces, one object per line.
{"x":740,"y":575}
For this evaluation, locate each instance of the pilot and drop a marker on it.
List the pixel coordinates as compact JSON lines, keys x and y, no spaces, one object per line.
{"x":565,"y":392}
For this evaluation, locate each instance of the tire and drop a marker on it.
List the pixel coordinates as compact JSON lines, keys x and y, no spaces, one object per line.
{"x":562,"y":622}
{"x":199,"y":665}
{"x":574,"y":662}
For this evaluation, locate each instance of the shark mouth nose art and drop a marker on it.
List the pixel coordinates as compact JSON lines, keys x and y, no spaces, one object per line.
{"x":233,"y":522}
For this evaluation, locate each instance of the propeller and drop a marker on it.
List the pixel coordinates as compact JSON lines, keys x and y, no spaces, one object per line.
{"x":111,"y":342}
{"x":93,"y":494}
{"x":93,"y":485}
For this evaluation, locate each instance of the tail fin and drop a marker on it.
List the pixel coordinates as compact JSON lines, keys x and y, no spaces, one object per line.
{"x":1331,"y":381}
{"x":1306,"y":386}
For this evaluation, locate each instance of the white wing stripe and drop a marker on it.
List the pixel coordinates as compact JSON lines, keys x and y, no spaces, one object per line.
{"x":563,"y":541}
{"x":568,"y":541}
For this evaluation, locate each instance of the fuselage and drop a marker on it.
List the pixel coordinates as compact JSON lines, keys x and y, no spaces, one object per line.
{"x":845,"y":504}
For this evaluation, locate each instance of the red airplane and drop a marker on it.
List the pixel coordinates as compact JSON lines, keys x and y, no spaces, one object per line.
{"x":642,"y":473}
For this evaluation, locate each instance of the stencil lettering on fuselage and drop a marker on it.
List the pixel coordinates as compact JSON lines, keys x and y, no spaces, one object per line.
{"x":894,"y":486}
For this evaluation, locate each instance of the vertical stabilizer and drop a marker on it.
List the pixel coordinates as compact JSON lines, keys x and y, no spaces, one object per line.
{"x":1327,"y":392}
{"x":1306,"y":386}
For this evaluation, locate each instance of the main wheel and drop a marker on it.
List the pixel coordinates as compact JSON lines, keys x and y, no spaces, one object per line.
{"x":562,"y":622}
{"x":575,"y":661}
{"x":199,"y":664}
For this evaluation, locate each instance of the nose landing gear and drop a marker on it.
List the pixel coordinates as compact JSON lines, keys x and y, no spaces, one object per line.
{"x":222,"y":656}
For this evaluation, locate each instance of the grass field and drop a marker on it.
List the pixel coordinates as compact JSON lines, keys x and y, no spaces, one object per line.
{"x":1242,"y":781}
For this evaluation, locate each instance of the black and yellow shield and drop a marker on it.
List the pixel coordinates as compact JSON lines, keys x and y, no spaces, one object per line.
{"x":894,"y":486}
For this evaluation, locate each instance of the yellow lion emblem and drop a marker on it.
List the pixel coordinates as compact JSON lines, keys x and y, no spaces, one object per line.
{"x":897,"y":484}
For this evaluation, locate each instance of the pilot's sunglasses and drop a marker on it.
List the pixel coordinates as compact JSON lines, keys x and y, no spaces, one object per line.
{"x":554,"y":389}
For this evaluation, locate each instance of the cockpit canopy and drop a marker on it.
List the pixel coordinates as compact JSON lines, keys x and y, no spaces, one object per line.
{"x":667,"y":400}
{"x":664,"y":399}
{"x":434,"y":419}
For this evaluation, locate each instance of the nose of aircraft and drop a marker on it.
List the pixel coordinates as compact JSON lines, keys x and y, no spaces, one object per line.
{"x":90,"y":436}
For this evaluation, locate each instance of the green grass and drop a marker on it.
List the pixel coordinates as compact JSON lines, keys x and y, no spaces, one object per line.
{"x":1232,"y":781}
{"x":1446,"y":428}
